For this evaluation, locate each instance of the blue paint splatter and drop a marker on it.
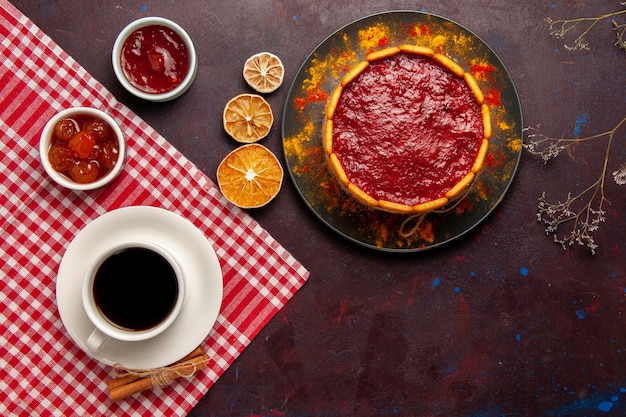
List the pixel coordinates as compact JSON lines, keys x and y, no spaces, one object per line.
{"x":457,"y":290}
{"x":144,"y":9}
{"x":436,"y":282}
{"x":294,"y":17}
{"x":518,"y":337}
{"x":605,"y":406}
{"x":580,"y":122}
{"x":523,"y":271}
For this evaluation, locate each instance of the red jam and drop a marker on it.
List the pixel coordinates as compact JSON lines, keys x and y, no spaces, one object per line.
{"x":155,"y":59}
{"x":406,"y":130}
{"x":83,"y":148}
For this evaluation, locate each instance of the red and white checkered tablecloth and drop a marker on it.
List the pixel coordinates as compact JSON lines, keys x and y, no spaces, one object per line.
{"x":42,"y":371}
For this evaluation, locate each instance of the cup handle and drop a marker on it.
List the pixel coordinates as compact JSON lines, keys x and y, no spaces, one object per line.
{"x":96,"y":340}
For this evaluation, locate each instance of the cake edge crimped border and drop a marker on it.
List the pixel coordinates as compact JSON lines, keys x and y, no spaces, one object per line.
{"x":456,"y":191}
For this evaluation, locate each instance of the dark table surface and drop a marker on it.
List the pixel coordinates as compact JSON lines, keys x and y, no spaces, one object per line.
{"x":501,"y":322}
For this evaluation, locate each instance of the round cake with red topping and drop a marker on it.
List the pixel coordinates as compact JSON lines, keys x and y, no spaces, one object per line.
{"x":406,"y":130}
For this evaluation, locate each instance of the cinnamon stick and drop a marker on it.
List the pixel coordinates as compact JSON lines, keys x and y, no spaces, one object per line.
{"x":132,"y":383}
{"x":128,"y":378}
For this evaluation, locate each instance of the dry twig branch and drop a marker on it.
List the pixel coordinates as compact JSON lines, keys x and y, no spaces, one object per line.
{"x":586,"y":210}
{"x":560,"y":28}
{"x":584,"y":218}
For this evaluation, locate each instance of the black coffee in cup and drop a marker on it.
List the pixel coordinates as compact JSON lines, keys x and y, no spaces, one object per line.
{"x":135,"y":288}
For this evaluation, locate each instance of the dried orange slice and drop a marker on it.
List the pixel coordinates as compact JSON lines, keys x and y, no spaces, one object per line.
{"x":264,"y":72}
{"x":250,"y":176}
{"x":248,"y":118}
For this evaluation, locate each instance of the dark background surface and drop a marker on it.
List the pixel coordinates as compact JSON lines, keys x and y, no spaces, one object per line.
{"x":502,"y":322}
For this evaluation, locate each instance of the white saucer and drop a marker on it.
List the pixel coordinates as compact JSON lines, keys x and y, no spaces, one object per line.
{"x":203,"y":278}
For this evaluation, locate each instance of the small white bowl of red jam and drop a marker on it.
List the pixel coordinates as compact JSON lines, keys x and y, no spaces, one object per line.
{"x":82,"y":148}
{"x":154,"y":59}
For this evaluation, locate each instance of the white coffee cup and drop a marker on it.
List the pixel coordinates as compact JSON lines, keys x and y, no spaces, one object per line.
{"x":133,"y":291}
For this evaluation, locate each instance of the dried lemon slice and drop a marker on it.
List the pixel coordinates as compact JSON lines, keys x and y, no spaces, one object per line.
{"x":264,"y":72}
{"x":248,"y":118}
{"x":250,"y":176}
